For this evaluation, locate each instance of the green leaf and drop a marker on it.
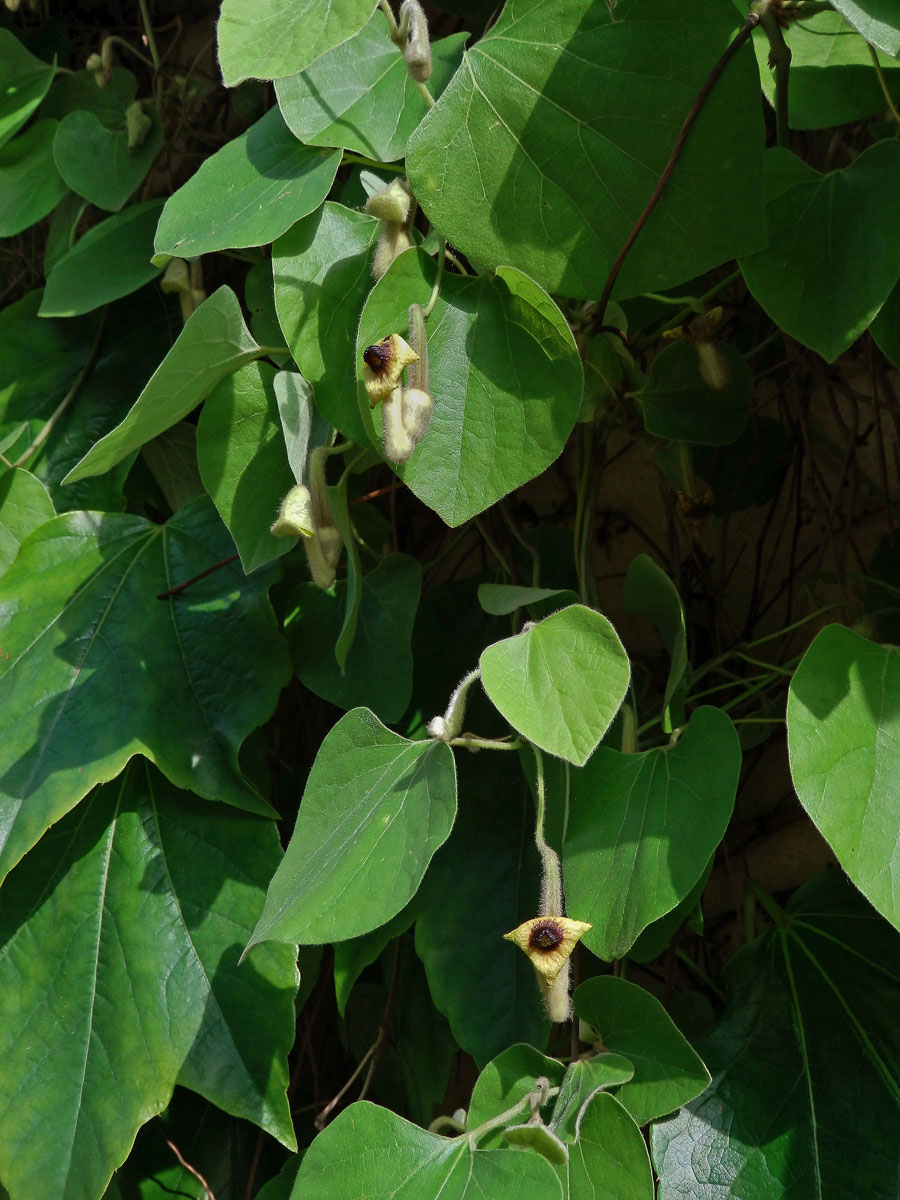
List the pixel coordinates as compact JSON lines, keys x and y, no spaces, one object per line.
{"x":30,"y":185}
{"x":843,"y":720}
{"x":875,"y":20}
{"x":583,"y":1079}
{"x":360,"y":95}
{"x":609,"y":1161}
{"x":667,"y":1071}
{"x":353,"y":587}
{"x":82,"y":621}
{"x":833,"y":250}
{"x":322,"y":276}
{"x":375,"y":809}
{"x":293,"y":396}
{"x":25,"y":83}
{"x":172,"y":461}
{"x":242,"y":460}
{"x":484,"y":883}
{"x":72,"y":90}
{"x":97,"y":162}
{"x":213,"y":343}
{"x":649,"y":591}
{"x":110,"y":261}
{"x":543,"y":151}
{"x":885,"y":328}
{"x":121,"y":933}
{"x":505,"y":1081}
{"x":265,"y":39}
{"x":832,"y":80}
{"x":656,"y":937}
{"x":539,"y":1139}
{"x":246,"y":194}
{"x":678,"y":403}
{"x":805,"y":1061}
{"x":348,"y":1159}
{"x":642,"y":828}
{"x":561,"y":682}
{"x":353,"y":956}
{"x":24,"y":505}
{"x":378,"y":670}
{"x":499,"y":599}
{"x":504,"y":373}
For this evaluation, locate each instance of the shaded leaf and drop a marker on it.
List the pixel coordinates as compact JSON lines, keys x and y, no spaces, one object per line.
{"x":213,"y":343}
{"x":642,"y":828}
{"x":804,"y":1099}
{"x":649,"y":591}
{"x":293,"y":396}
{"x":110,"y":261}
{"x":833,"y":250}
{"x":843,"y":721}
{"x":81,"y":623}
{"x":98,"y":163}
{"x":564,"y":139}
{"x":120,"y":938}
{"x":885,"y":327}
{"x":30,"y":185}
{"x":678,"y":403}
{"x":242,"y":460}
{"x":172,"y":461}
{"x":375,"y":809}
{"x":875,"y":20}
{"x":246,"y":194}
{"x":360,"y":95}
{"x":378,"y":670}
{"x":353,"y":956}
{"x":560,"y":682}
{"x":25,"y":83}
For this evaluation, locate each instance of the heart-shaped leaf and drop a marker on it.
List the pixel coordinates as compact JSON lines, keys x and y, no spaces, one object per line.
{"x":504,"y":373}
{"x":649,"y":591}
{"x":110,"y":261}
{"x":360,"y":95}
{"x":805,"y":1061}
{"x":106,"y":972}
{"x":543,"y":151}
{"x":81,"y":619}
{"x":375,"y":808}
{"x":30,"y":185}
{"x":667,"y":1071}
{"x":583,"y":1079}
{"x":97,"y":162}
{"x":322,"y":270}
{"x":243,"y":462}
{"x":293,"y":395}
{"x":348,"y":1159}
{"x":561,"y":682}
{"x":213,"y":343}
{"x":678,"y":402}
{"x":25,"y":83}
{"x":264,"y":39}
{"x":246,"y":194}
{"x":843,"y":719}
{"x":642,"y":828}
{"x":609,"y":1158}
{"x":506,"y":1080}
{"x":834,"y":249}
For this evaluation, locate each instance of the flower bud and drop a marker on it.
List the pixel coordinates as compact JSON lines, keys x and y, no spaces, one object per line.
{"x":417,"y":51}
{"x":394,"y":239}
{"x":295,"y":517}
{"x":416,"y":408}
{"x":392,"y":203}
{"x":398,"y":441}
{"x":323,"y":553}
{"x":383,"y":366}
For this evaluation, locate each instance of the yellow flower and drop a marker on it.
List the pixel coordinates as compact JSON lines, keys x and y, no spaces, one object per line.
{"x":548,"y":942}
{"x":383,"y":365}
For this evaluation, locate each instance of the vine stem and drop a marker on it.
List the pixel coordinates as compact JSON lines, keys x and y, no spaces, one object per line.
{"x":702,"y":96}
{"x":148,"y":30}
{"x":879,"y":71}
{"x":551,"y":875}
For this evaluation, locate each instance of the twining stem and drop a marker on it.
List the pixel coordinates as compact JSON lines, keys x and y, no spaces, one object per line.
{"x":879,"y":71}
{"x":471,"y":742}
{"x":780,"y":60}
{"x":148,"y":30}
{"x":551,"y":875}
{"x":541,"y":1094}
{"x":711,"y":80}
{"x":436,"y":290}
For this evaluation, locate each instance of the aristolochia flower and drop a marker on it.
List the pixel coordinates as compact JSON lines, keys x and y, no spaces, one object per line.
{"x":548,"y":942}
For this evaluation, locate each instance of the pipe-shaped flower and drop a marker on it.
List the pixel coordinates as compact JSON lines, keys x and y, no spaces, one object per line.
{"x":383,"y":366}
{"x":548,"y":942}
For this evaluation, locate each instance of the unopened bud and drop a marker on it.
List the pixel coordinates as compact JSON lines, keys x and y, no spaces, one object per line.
{"x":323,"y":553}
{"x":398,"y":442}
{"x":417,"y":51}
{"x":713,"y":365}
{"x":392,"y":203}
{"x":137,"y":125}
{"x":416,"y":407}
{"x":394,"y":239}
{"x":295,"y":517}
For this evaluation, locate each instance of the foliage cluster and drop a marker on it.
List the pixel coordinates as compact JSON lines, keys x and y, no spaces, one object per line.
{"x":461,"y":449}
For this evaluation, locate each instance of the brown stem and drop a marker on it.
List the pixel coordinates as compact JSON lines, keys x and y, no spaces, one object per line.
{"x":193,"y":1170}
{"x":183,"y":587}
{"x":701,"y":98}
